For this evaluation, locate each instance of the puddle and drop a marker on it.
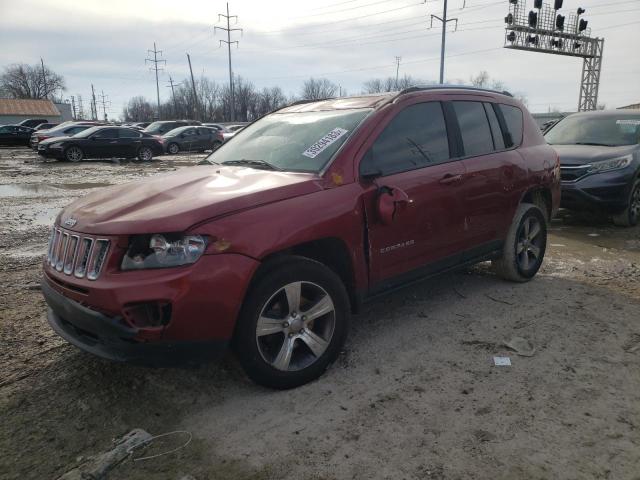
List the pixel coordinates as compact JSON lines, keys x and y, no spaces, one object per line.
{"x":80,"y":186}
{"x":26,"y":190}
{"x":36,"y":189}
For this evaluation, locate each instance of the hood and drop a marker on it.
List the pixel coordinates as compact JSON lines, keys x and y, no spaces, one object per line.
{"x":176,"y":201}
{"x":584,"y":154}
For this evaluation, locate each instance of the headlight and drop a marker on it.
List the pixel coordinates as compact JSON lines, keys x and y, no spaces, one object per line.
{"x":612,"y":164}
{"x":163,"y":250}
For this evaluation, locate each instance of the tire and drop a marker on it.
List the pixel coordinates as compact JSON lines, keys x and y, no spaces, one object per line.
{"x":145,"y":154}
{"x":630,"y":216}
{"x":280,"y":348}
{"x":73,"y":154}
{"x":525,"y":245}
{"x":173,"y":148}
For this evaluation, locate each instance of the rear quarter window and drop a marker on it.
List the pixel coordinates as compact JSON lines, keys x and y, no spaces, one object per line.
{"x":513,"y":123}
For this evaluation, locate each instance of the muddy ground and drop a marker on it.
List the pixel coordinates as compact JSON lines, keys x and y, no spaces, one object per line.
{"x":415,"y":395}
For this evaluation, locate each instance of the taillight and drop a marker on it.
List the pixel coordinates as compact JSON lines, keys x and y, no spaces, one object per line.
{"x":42,"y":137}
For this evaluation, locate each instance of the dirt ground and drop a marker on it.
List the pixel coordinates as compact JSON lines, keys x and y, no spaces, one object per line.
{"x":415,"y":395}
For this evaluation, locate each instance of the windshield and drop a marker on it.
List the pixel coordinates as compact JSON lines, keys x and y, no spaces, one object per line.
{"x":595,"y":130}
{"x":302,"y":142}
{"x":86,"y":133}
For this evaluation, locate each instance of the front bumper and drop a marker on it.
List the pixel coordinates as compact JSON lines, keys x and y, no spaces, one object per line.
{"x":607,"y":191}
{"x":205,"y":299}
{"x":47,"y":152}
{"x":110,"y":338}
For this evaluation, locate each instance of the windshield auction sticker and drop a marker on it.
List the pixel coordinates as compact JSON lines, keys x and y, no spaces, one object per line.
{"x":321,"y":145}
{"x":628,"y":122}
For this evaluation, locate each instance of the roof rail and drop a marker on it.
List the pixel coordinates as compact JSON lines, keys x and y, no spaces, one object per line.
{"x":418,"y":88}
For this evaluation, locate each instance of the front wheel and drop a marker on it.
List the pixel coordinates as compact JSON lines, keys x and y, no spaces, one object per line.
{"x":293,"y":323}
{"x":145,"y":154}
{"x":73,"y":154}
{"x":173,"y":148}
{"x":524,"y":246}
{"x":630,"y":216}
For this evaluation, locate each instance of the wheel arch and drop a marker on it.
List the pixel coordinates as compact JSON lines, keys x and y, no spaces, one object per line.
{"x":332,"y":252}
{"x":541,"y":197}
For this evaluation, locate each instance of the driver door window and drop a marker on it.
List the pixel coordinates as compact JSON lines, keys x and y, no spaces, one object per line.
{"x":415,"y":138}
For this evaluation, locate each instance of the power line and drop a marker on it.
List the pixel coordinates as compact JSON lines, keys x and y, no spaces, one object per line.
{"x":355,"y":40}
{"x":378,"y":67}
{"x":344,"y":9}
{"x":155,"y":62}
{"x":332,"y":22}
{"x":229,"y":42}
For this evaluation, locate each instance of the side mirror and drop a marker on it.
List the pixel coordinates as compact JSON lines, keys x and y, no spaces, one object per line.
{"x":390,"y":201}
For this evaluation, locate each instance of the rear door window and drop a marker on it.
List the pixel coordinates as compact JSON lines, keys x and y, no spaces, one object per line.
{"x":107,"y":133}
{"x":415,"y":138}
{"x":128,"y":133}
{"x":496,"y":131}
{"x":513,"y":123}
{"x":474,"y":128}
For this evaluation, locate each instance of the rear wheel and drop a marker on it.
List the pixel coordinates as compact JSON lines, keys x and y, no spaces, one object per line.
{"x":293,"y":324}
{"x":630,"y":216}
{"x":74,"y":154}
{"x":524,"y":246}
{"x":145,"y":154}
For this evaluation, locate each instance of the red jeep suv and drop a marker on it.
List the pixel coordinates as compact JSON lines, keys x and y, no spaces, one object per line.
{"x":271,"y":243}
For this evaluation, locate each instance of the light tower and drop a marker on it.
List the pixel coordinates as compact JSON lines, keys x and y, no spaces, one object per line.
{"x":545,"y":30}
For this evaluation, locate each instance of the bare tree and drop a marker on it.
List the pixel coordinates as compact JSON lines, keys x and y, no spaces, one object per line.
{"x":318,"y":88}
{"x":30,"y":81}
{"x":380,"y":85}
{"x":138,"y":109}
{"x":484,"y":80}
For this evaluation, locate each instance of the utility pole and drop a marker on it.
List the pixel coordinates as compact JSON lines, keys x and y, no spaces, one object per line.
{"x":444,"y":22}
{"x":173,"y":95}
{"x":104,"y":108}
{"x":155,"y":62}
{"x":73,"y":107}
{"x":229,"y":42}
{"x":44,"y":79}
{"x":80,"y":109}
{"x":195,"y":95}
{"x":94,"y":108}
{"x":397,"y":70}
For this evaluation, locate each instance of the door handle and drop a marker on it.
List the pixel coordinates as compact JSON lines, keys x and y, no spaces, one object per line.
{"x":449,"y":178}
{"x":113,"y":141}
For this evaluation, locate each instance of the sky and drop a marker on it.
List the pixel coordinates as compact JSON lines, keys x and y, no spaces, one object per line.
{"x":284,"y":42}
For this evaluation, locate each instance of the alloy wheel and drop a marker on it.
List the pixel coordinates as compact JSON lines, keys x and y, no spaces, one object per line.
{"x":173,"y":149}
{"x":146,"y":154}
{"x":529,"y":243}
{"x":74,"y":154}
{"x":295,"y":326}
